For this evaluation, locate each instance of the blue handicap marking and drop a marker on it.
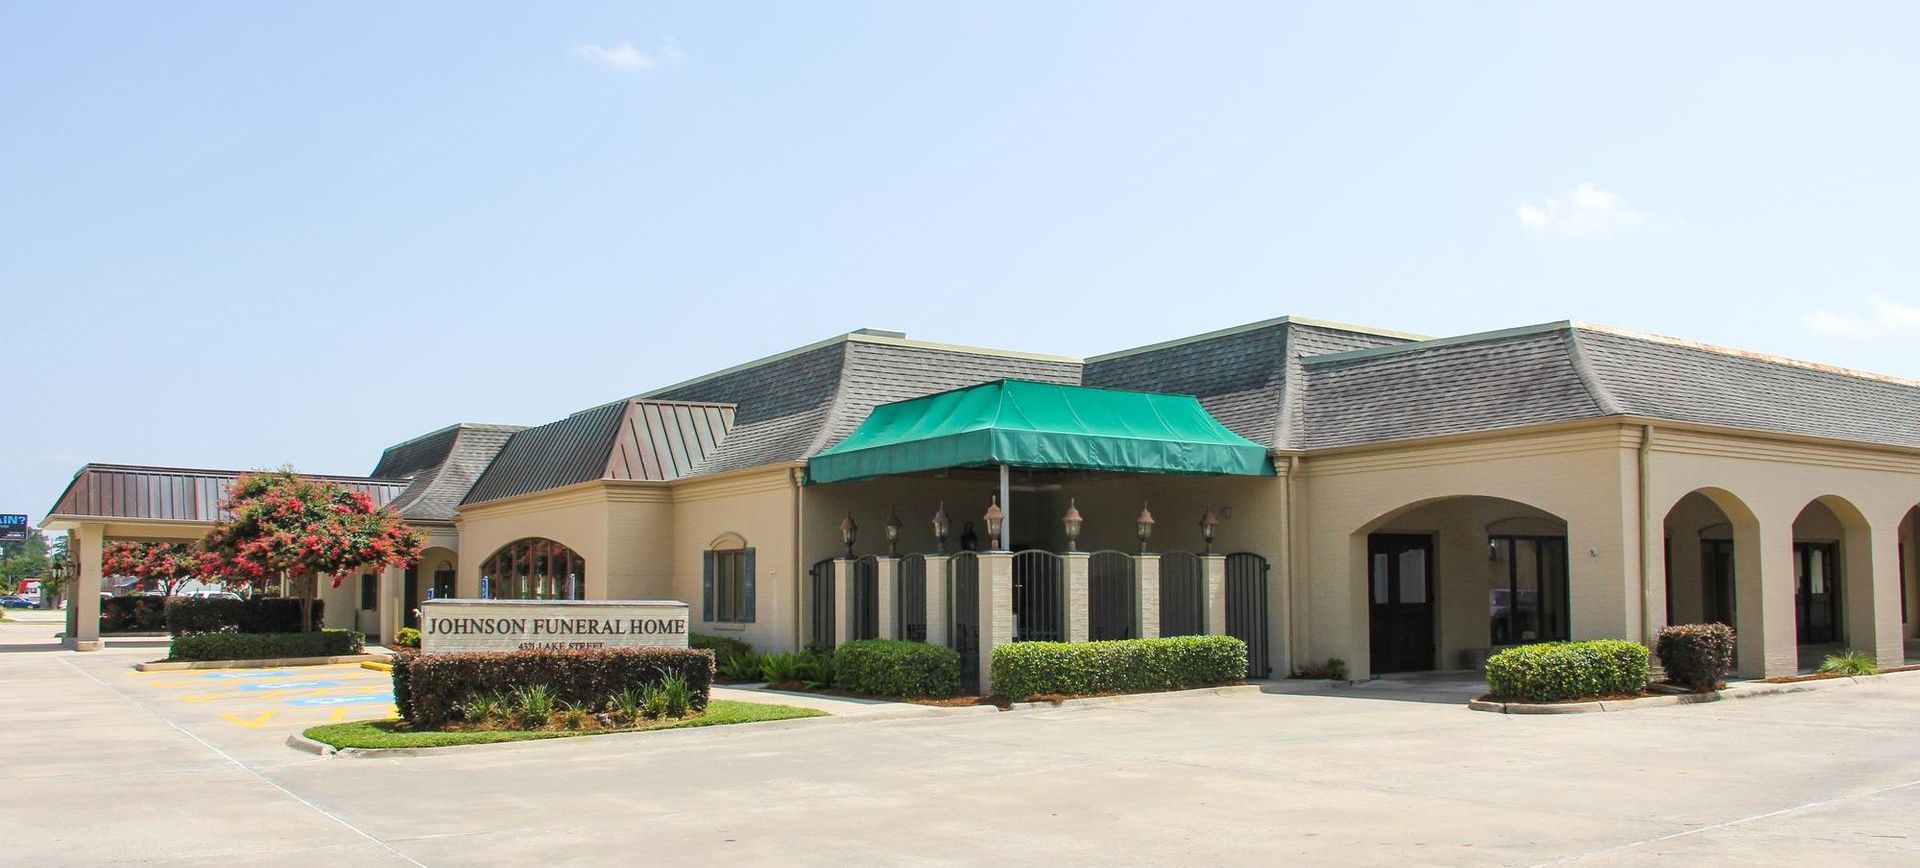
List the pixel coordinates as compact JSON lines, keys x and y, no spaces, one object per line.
{"x":371,"y":699}
{"x":288,"y":685}
{"x":265,"y":673}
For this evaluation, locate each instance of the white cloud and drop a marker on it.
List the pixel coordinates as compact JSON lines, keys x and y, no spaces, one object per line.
{"x":625,"y":58}
{"x":1885,"y":319}
{"x":1586,"y":211}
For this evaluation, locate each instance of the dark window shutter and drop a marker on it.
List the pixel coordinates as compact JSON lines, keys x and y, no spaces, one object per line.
{"x":706,"y":586}
{"x":746,"y":587}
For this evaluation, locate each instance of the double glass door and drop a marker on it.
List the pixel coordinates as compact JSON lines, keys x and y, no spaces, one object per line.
{"x":1400,"y":593}
{"x":1816,"y":597}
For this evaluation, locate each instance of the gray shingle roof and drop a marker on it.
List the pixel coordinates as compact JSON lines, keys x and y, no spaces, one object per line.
{"x":1246,"y":376}
{"x":1564,"y":372}
{"x":794,"y":405}
{"x":1664,"y":378}
{"x":443,"y":466}
{"x":1451,"y":386}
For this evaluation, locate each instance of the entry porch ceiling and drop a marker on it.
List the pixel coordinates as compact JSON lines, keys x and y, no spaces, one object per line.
{"x":1020,"y":423}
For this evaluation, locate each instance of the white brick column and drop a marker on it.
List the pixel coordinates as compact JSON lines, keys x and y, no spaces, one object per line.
{"x":1214,"y":569}
{"x":996,"y":611}
{"x":1074,"y":572}
{"x":937,"y":610}
{"x":1146,"y":593}
{"x":83,"y":592}
{"x":844,"y":597}
{"x":886,"y":592}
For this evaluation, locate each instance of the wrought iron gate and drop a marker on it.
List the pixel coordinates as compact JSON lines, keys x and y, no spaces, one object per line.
{"x":1039,"y":598}
{"x":910,"y":597}
{"x":820,"y":605}
{"x":866,"y":598}
{"x":963,"y":607}
{"x":1111,"y":607}
{"x":1183,"y":595}
{"x":1247,"y":608}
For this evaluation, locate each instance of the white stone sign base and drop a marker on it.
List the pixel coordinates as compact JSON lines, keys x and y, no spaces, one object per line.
{"x":514,"y":625}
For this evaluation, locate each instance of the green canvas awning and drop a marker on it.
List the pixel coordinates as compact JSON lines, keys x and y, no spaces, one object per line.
{"x":1025,"y":424}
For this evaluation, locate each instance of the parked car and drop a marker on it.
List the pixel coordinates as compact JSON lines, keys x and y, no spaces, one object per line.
{"x":17,"y":602}
{"x":210,"y":595}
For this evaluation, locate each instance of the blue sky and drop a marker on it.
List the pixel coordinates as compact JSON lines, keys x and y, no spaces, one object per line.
{"x":243,"y":235}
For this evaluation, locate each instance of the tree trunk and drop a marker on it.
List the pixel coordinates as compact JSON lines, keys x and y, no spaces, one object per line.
{"x":309,"y":587}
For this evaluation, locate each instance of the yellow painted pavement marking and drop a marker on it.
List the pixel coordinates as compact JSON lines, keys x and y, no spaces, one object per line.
{"x":255,"y":723}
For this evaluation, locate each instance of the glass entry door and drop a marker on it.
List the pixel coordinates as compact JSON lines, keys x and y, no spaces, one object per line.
{"x":1400,"y":591}
{"x":1716,"y":567}
{"x":1816,"y":598}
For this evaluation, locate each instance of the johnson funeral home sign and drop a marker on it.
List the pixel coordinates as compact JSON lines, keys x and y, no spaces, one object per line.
{"x":511,"y":625}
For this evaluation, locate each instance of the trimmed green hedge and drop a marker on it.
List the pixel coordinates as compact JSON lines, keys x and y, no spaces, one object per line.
{"x":886,"y":667}
{"x":1025,"y":669}
{"x":1559,"y":671}
{"x":263,"y":646}
{"x":430,"y":688}
{"x":138,"y":613}
{"x":257,"y":615}
{"x":724,"y":648}
{"x":1696,"y":655}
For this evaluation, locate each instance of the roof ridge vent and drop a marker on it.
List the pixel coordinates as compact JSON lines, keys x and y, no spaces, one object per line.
{"x":880,"y":333}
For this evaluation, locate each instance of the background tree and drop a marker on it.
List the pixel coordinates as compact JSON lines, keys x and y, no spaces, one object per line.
{"x":285,"y":524}
{"x":164,"y":564}
{"x":25,"y":559}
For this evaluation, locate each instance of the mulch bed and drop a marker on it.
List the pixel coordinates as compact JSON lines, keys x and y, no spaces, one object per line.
{"x":941,"y":701}
{"x":1611,"y":697}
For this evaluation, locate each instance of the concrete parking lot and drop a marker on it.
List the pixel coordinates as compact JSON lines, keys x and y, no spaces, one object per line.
{"x":108,"y":769}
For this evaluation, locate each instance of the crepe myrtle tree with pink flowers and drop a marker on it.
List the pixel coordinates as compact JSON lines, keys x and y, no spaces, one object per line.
{"x":163,"y":564}
{"x":282,"y":523}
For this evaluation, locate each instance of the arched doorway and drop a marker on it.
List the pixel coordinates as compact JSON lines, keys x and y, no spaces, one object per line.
{"x":534,"y":568}
{"x":1832,"y":574}
{"x":1448,"y":581}
{"x":1701,"y":556}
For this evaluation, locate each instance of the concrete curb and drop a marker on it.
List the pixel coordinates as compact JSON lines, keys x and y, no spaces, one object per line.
{"x":1739,"y":690}
{"x":270,"y":663}
{"x":919,"y":712}
{"x":306,"y":745}
{"x":1127,"y":698}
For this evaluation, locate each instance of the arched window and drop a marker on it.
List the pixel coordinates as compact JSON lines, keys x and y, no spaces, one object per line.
{"x":726,"y":593}
{"x":534,"y":569}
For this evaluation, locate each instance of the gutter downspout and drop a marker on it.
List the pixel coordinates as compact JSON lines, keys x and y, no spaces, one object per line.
{"x":1296,"y":641}
{"x":797,"y":475}
{"x":1648,"y":624}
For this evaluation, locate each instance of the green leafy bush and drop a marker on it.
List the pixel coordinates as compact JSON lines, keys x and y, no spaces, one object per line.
{"x":1696,"y":655}
{"x":430,"y":689}
{"x":407,"y":637}
{"x":1025,"y":669}
{"x":264,"y":646}
{"x":1559,"y":671}
{"x":780,"y":668}
{"x":816,"y":668}
{"x":257,"y":615}
{"x":744,"y":668}
{"x":1849,"y":662}
{"x":1335,"y":669}
{"x":724,"y":648}
{"x":135,"y":614}
{"x":884,"y":667}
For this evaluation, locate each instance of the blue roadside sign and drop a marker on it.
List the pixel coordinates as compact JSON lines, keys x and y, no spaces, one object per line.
{"x":14,"y":528}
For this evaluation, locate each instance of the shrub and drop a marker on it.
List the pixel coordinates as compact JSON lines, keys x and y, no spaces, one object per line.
{"x":1557,"y":671}
{"x":1849,"y":662}
{"x":1025,"y":669}
{"x":407,"y":637}
{"x":780,"y":668}
{"x":1335,"y":669}
{"x":133,"y":614}
{"x":816,"y":668}
{"x":263,"y":646}
{"x":724,"y":648}
{"x":740,"y":668}
{"x":1696,"y":655}
{"x":258,"y":615}
{"x":431,"y":688}
{"x":894,"y":668}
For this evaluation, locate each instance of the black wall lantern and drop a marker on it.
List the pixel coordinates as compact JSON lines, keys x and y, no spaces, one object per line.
{"x":1145,"y":524}
{"x":893,"y":533}
{"x":848,"y":530}
{"x":1208,"y":524}
{"x":941,"y":527}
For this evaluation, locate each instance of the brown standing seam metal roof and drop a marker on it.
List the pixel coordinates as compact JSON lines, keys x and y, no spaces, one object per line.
{"x":631,"y":439}
{"x":131,"y":493}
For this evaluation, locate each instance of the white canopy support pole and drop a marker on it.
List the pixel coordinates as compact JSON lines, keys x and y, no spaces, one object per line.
{"x":1006,"y":511}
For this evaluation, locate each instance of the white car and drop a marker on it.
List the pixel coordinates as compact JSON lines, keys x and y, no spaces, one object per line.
{"x":211,"y":595}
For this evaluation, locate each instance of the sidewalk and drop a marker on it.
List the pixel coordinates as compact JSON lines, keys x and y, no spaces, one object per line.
{"x":839,"y":706}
